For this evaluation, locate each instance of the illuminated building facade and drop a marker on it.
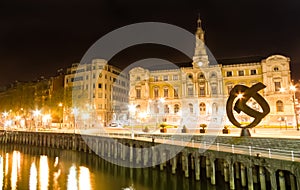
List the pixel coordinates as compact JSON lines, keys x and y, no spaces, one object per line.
{"x":198,"y":94}
{"x":98,"y":89}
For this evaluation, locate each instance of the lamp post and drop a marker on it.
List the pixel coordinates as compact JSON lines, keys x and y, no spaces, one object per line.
{"x":132,"y":109}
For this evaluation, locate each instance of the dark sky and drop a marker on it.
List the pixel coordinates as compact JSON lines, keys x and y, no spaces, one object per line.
{"x":39,"y":37}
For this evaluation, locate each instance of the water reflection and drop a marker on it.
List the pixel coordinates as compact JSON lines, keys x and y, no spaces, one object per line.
{"x":33,"y":177}
{"x":44,"y":173}
{"x":45,"y":168}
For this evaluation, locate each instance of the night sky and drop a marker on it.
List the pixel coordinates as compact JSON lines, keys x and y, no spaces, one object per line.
{"x":39,"y":37}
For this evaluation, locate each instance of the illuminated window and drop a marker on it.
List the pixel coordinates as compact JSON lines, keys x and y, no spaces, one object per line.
{"x":277,"y":86}
{"x":202,"y":108}
{"x":155,"y":78}
{"x":229,"y":73}
{"x":201,"y":76}
{"x":176,"y":92}
{"x":190,"y":91}
{"x":279,"y":106}
{"x":175,"y":77}
{"x":191,"y":108}
{"x":201,"y":91}
{"x":253,"y":72}
{"x":166,"y":109}
{"x":241,"y":73}
{"x":166,"y":78}
{"x":138,"y":93}
{"x":166,"y":92}
{"x":176,"y":108}
{"x":156,"y":94}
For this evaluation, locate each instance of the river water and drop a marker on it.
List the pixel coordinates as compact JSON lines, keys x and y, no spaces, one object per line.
{"x":33,"y":168}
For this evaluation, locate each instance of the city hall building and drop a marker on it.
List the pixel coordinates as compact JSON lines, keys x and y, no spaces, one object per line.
{"x":198,"y":94}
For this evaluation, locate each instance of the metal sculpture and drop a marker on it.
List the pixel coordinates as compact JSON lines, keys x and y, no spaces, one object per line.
{"x":241,"y":105}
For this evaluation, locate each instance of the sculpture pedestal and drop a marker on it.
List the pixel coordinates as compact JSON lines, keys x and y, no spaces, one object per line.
{"x":245,"y":132}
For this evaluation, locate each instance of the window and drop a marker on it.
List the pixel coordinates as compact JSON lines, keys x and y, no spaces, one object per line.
{"x":277,"y":86}
{"x":138,"y":93}
{"x":138,"y":78}
{"x":214,"y":108}
{"x":253,"y":72}
{"x":214,"y":89}
{"x":155,"y":78}
{"x":86,"y":86}
{"x":87,"y":77}
{"x":202,"y":91}
{"x":190,"y":91}
{"x":213,"y":75}
{"x":176,"y":108}
{"x":166,"y":78}
{"x":241,"y":73}
{"x":156,"y":93}
{"x":166,"y":109}
{"x":94,"y":76}
{"x":99,"y":85}
{"x":94,"y":85}
{"x":100,"y":95}
{"x":191,"y":108}
{"x":202,"y":108}
{"x":166,"y":92}
{"x":229,"y":73}
{"x":190,"y":77}
{"x":201,"y":76}
{"x":276,"y":69}
{"x":175,"y":77}
{"x":279,"y":106}
{"x":176,"y":92}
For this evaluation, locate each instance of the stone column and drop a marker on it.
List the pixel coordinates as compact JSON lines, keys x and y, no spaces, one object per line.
{"x":153,"y":157}
{"x":213,"y":172}
{"x":130,"y":154}
{"x":231,"y":176}
{"x":226,"y":172}
{"x":186,"y":166}
{"x":243,"y":175}
{"x":108,"y":149}
{"x":115,"y":150}
{"x":138,"y":156}
{"x":293,"y":182}
{"x":145,"y":156}
{"x":197,"y":168}
{"x":174,"y":164}
{"x":281,"y":181}
{"x":207,"y":163}
{"x":262,"y":178}
{"x":273,"y":180}
{"x":250,"y":178}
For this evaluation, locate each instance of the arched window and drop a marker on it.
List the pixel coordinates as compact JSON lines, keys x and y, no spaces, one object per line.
{"x":190,"y":76}
{"x":200,"y":76}
{"x":279,"y":106}
{"x":214,"y":108}
{"x":176,"y":108}
{"x":138,"y":78}
{"x":213,"y":75}
{"x":202,"y":108}
{"x":191,"y":108}
{"x":276,"y":69}
{"x":214,"y":88}
{"x":156,"y":93}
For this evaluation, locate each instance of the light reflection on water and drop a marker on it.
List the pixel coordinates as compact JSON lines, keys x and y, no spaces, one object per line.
{"x":23,"y":167}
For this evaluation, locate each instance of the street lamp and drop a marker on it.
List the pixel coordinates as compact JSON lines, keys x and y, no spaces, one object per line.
{"x":132,"y":109}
